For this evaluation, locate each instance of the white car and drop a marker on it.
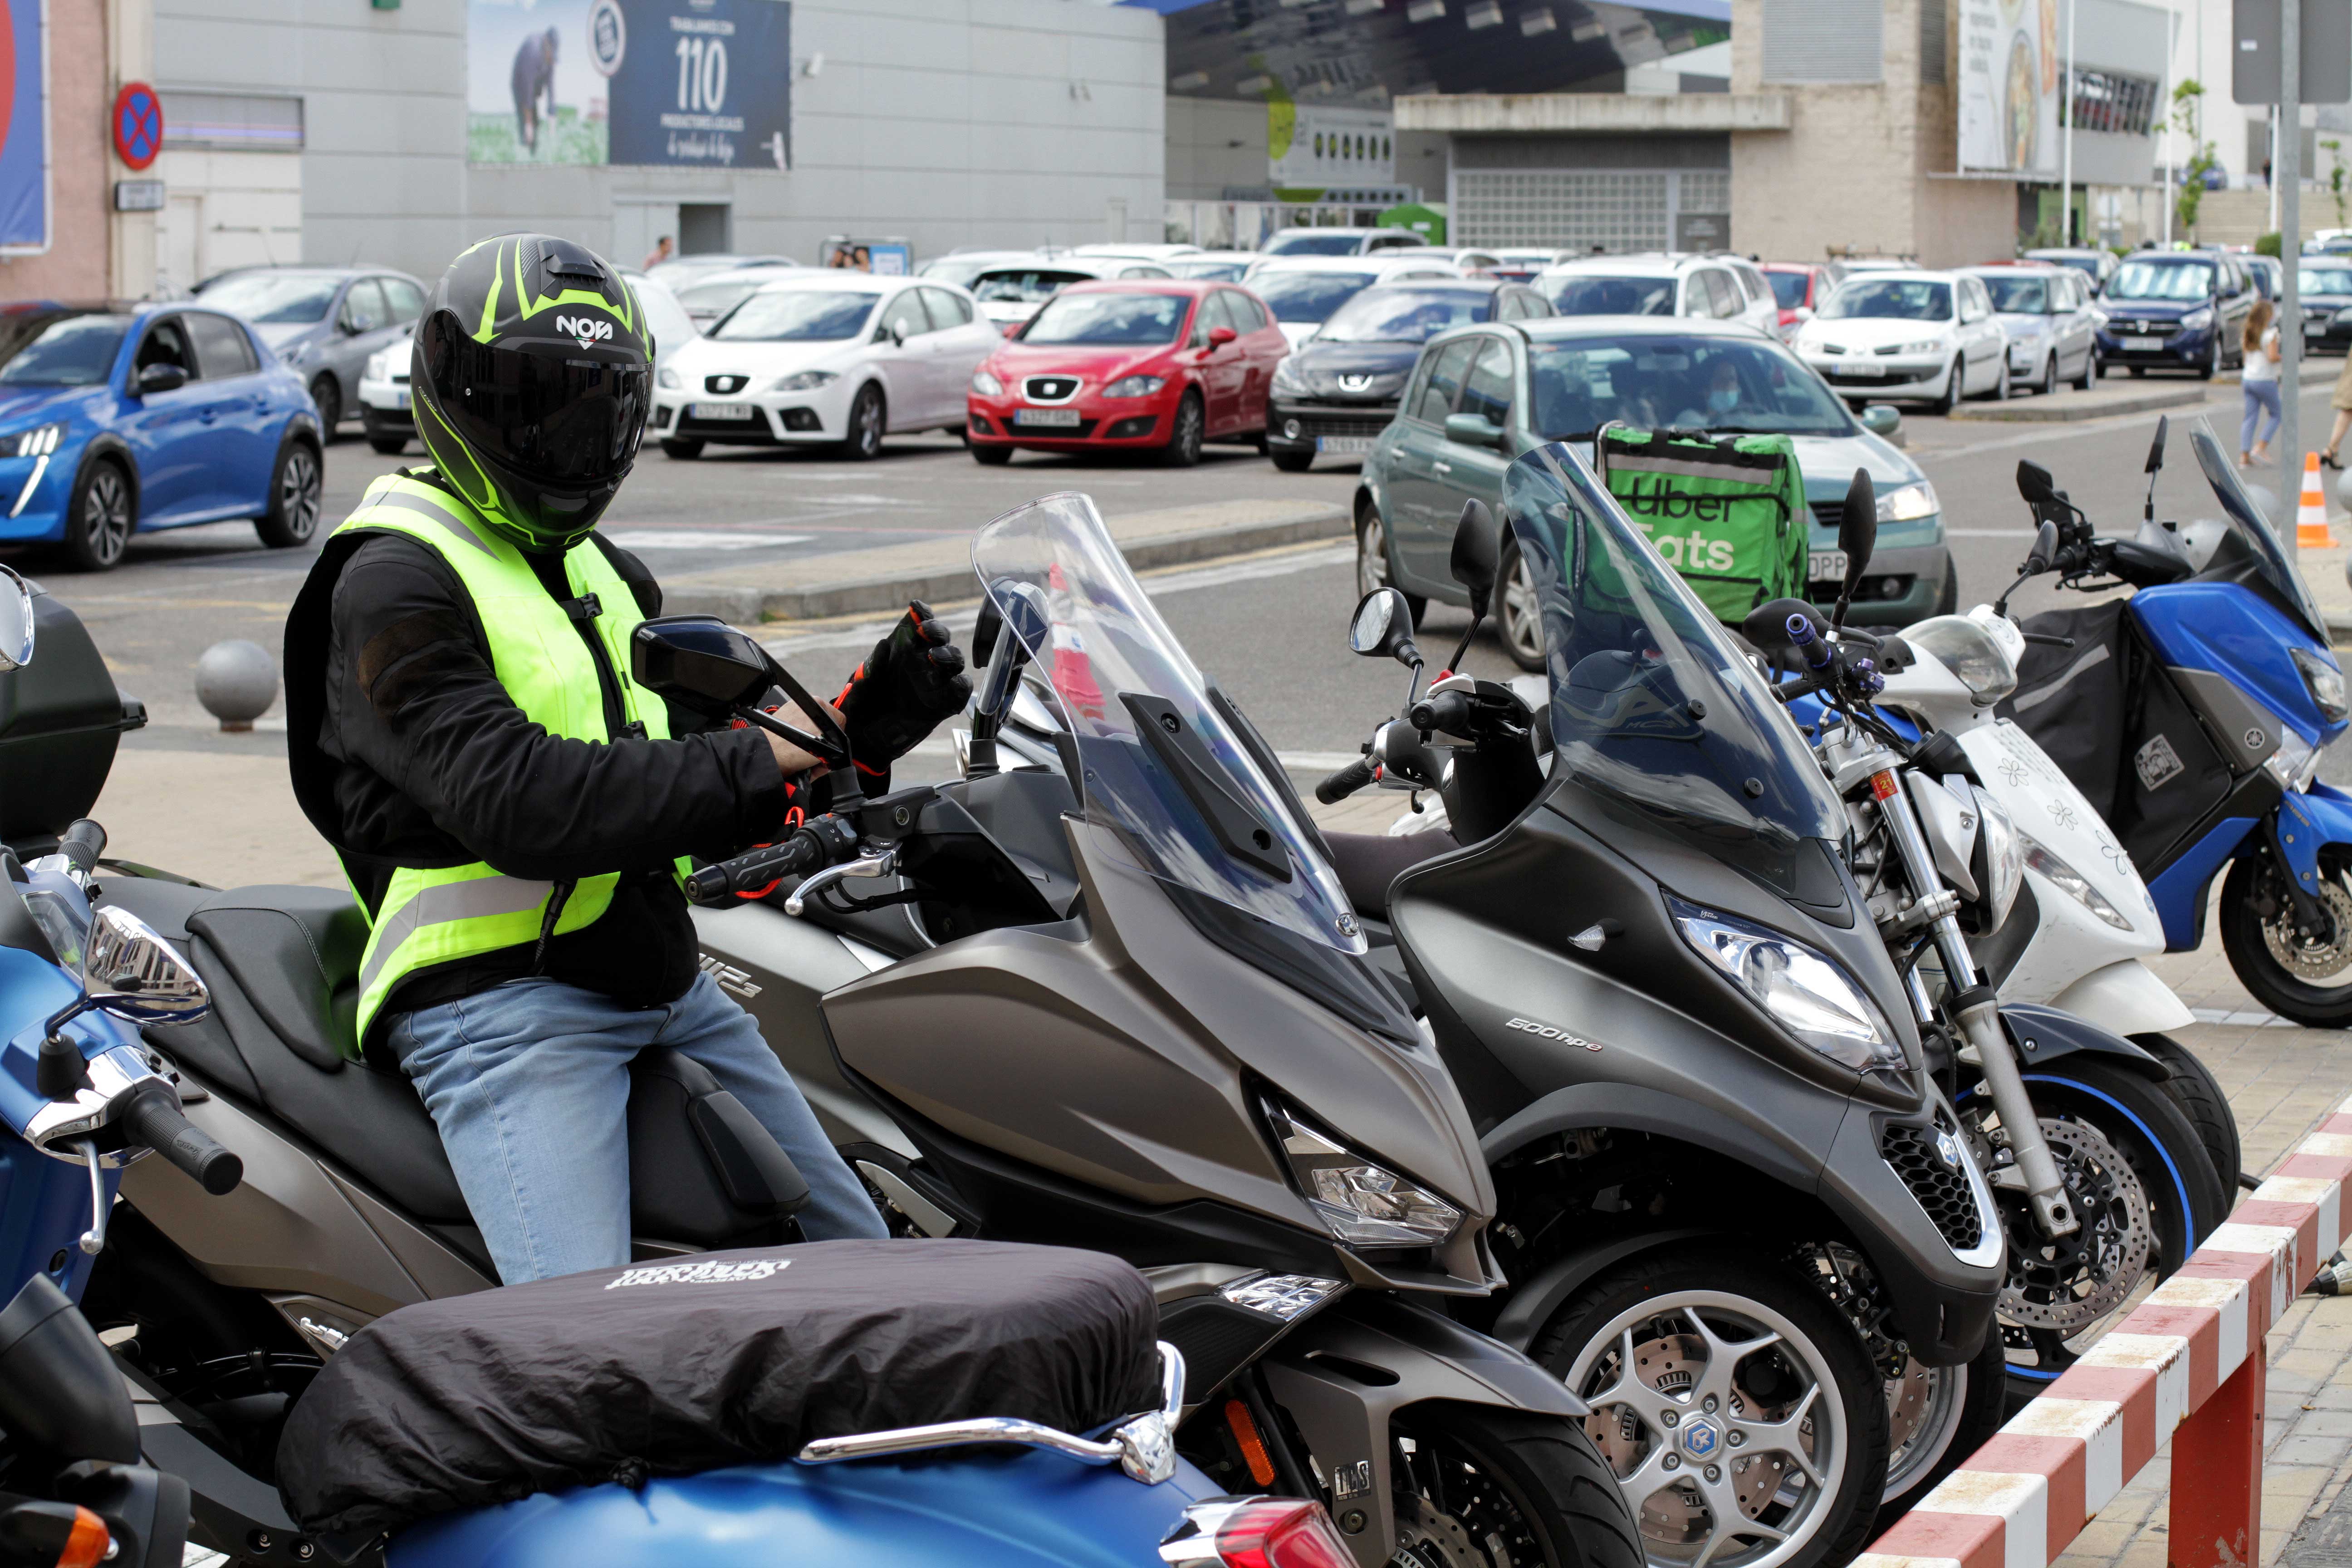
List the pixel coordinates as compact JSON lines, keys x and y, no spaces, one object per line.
{"x":384,"y":411}
{"x":1216,"y":266}
{"x":1338,"y":241}
{"x":1707,"y":287}
{"x":1161,"y":253}
{"x":825,"y":358}
{"x":1303,"y":290}
{"x":711,"y":295}
{"x":1010,"y":293}
{"x":1909,"y":336}
{"x":962,"y":266}
{"x":2054,"y":332}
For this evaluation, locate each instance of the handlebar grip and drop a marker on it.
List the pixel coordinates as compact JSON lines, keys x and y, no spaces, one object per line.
{"x":1346,"y":781}
{"x":83,"y":843}
{"x":755,"y":870}
{"x":152,"y":1118}
{"x":1805,"y":639}
{"x":1448,"y":712}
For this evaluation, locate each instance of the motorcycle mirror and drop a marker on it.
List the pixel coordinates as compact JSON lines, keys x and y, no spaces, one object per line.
{"x":2034,"y":484}
{"x":2156,"y":448}
{"x":15,"y":621}
{"x":1017,"y":607}
{"x":1476,"y":551}
{"x":2044,"y":551}
{"x":59,"y":1390}
{"x":985,"y":630}
{"x":701,"y":663}
{"x":1857,"y":536}
{"x":1382,"y":627}
{"x":130,"y":971}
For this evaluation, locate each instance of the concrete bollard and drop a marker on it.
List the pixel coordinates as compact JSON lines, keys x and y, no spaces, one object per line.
{"x":236,"y":681}
{"x":2344,"y":491}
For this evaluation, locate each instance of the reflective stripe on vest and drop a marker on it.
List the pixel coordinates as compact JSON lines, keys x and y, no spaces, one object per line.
{"x":441,"y":915}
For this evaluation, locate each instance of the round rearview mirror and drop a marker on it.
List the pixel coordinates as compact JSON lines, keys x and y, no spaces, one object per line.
{"x":1382,"y":621}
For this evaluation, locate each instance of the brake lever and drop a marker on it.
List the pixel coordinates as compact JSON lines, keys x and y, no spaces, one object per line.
{"x":883,"y":862}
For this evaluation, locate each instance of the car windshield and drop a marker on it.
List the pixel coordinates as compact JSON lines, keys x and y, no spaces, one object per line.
{"x":275,"y":299}
{"x":708,"y":300}
{"x":1788,"y":288}
{"x":1023,"y":285}
{"x":1405,"y":315}
{"x":955,"y":269}
{"x":1890,"y":299}
{"x":1588,"y":294}
{"x":2161,"y":280}
{"x":1160,"y":761}
{"x":55,"y":348}
{"x":797,"y":316}
{"x":2310,"y":280}
{"x":1316,"y":245}
{"x":1109,"y":318}
{"x":1308,"y":297}
{"x":1652,"y":710}
{"x":2254,"y":546}
{"x":1213,"y":271}
{"x":1729,"y":386}
{"x":2015,"y":296}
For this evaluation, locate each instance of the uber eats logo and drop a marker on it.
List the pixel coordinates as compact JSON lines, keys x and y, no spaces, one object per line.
{"x":582,"y":329}
{"x":1652,"y":497}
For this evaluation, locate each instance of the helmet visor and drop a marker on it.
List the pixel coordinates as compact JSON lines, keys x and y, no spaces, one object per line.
{"x":545,"y":412}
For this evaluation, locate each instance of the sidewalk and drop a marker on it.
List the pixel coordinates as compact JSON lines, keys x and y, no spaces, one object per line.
{"x":2120,"y":393}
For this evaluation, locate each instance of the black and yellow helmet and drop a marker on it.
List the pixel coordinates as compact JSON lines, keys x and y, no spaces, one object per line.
{"x":531,"y":375}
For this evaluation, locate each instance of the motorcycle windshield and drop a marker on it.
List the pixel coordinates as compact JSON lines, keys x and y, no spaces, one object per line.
{"x":2258,"y":545}
{"x":1160,"y":761}
{"x":1651,"y":706}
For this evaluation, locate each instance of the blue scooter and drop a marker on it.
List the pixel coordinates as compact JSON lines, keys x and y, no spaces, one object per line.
{"x":2193,"y":715}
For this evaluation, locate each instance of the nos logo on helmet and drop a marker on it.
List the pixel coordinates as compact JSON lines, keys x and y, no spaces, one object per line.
{"x":581,"y":330}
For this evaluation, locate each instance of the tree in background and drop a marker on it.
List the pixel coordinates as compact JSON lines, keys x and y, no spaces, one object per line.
{"x":2188,"y":118}
{"x":2335,"y":181}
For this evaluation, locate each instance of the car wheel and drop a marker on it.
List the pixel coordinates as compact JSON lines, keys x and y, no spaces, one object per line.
{"x":869,"y":417}
{"x":390,"y":446}
{"x":1373,"y":568}
{"x":99,"y":517}
{"x":328,"y":396}
{"x":2091,"y":370}
{"x":990,"y":456}
{"x":294,"y":487}
{"x":1293,"y":462}
{"x":2048,"y":386}
{"x":2139,"y":370}
{"x":1999,"y":392}
{"x":1949,"y":398}
{"x":684,"y":452}
{"x":2212,"y":361}
{"x":1948,"y":599}
{"x":1519,"y":611}
{"x":1183,"y":449}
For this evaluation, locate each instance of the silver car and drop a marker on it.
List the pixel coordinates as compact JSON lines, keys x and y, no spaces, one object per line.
{"x":2054,"y":331}
{"x":323,"y":322}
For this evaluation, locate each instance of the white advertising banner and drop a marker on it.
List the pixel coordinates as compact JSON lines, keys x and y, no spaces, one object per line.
{"x":2009,"y":87}
{"x":1313,"y":148}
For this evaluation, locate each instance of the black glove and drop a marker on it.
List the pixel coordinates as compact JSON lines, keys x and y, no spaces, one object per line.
{"x":912,"y":679}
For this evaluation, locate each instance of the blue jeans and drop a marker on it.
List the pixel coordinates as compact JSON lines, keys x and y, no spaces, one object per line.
{"x":2261,"y":397}
{"x":529,"y":1084}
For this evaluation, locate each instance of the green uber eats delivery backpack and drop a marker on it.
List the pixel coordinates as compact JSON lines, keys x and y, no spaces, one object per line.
{"x":1727,"y":512}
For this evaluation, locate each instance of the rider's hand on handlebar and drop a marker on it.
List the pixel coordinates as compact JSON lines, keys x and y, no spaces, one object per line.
{"x":792,"y":759}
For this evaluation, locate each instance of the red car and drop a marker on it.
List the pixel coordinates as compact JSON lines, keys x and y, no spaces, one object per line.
{"x":1156,"y":364}
{"x":1800,"y":286}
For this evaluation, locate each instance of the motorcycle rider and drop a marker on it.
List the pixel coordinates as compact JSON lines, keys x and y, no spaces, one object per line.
{"x":510,"y":809}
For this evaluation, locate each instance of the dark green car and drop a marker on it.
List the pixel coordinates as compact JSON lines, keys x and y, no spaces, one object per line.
{"x":1480,"y":396}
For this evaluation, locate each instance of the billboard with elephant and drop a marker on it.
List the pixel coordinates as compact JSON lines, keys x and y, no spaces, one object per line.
{"x":697,"y":83}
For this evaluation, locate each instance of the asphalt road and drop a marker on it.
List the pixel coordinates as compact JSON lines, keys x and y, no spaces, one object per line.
{"x":1272,"y":627}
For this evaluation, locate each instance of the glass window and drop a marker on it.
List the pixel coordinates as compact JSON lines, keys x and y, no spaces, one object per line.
{"x":164,"y":343}
{"x":1308,"y":297}
{"x":1247,"y":312}
{"x":406,"y":299}
{"x":1143,"y":272}
{"x":52,"y":348}
{"x":1023,"y":285}
{"x":1788,"y":288}
{"x":1111,"y":317}
{"x":1590,"y":294}
{"x":1399,"y":314}
{"x":2024,"y":294}
{"x":1445,"y":382}
{"x":2162,"y":280}
{"x":1487,"y":394}
{"x":1729,"y":386}
{"x":363,"y":307}
{"x":1214,"y":271}
{"x":274,"y":299}
{"x":1890,"y":299}
{"x":1728,"y":300}
{"x":222,"y":347}
{"x":2324,"y":280}
{"x":1314,"y":245}
{"x":904,"y":312}
{"x":946,"y":310}
{"x":798,"y":316}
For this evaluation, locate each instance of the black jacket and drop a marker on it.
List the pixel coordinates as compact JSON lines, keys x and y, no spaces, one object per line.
{"x":407,"y":752}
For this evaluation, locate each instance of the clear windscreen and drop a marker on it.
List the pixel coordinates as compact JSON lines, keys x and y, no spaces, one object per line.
{"x":1161,"y":763}
{"x":2247,"y":526}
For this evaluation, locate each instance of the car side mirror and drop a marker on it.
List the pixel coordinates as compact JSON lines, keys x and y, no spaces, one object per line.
{"x":1473,"y":430}
{"x":1881,"y":419}
{"x":1382,"y":627}
{"x":1220,"y":336}
{"x":1475,"y":562}
{"x":129,"y":971}
{"x":157,"y":378}
{"x":897,"y":331}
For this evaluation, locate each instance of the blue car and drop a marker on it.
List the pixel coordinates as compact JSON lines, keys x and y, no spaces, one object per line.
{"x":115,"y":419}
{"x":2176,"y":310}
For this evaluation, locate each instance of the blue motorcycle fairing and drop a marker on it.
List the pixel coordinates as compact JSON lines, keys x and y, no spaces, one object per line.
{"x":2179,"y":889}
{"x":2227,"y":628}
{"x":962,"y":1507}
{"x":2308,"y":823}
{"x":2044,"y":1034}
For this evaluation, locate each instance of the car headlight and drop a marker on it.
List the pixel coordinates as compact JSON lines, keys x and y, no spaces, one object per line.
{"x":806,"y":380}
{"x":1286,"y":379}
{"x":667,"y":378}
{"x":38,"y":442}
{"x":2071,"y":882}
{"x":986,"y":384}
{"x":1356,"y":1200}
{"x":1805,"y":993}
{"x":1135,"y":387}
{"x":379,"y":365}
{"x":2196,"y":319}
{"x":1908,"y":504}
{"x":1923,"y":346}
{"x":1977,"y":661}
{"x":2001,"y":858}
{"x":2324,"y":679}
{"x":2294,"y":761}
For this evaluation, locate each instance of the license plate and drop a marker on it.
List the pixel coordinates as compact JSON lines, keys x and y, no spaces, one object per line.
{"x":1338,"y":445}
{"x":1861,"y":370}
{"x":400,"y":401}
{"x":719,"y":410}
{"x":1825,"y":567}
{"x":2143,"y":345}
{"x":1046,"y":417}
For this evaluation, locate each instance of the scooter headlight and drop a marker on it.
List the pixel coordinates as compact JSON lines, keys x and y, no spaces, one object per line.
{"x":2071,"y":882}
{"x":1975,"y":659}
{"x":2324,"y":681}
{"x":1356,"y":1200}
{"x":2001,"y":868}
{"x":1804,"y":992}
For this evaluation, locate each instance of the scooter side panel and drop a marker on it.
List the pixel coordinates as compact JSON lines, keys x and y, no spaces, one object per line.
{"x":2179,"y":889}
{"x":2310,"y":822}
{"x":970,"y":1507}
{"x":2223,"y":627}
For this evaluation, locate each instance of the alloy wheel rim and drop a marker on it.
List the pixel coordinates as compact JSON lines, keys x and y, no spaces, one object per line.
{"x":870,"y":423}
{"x":1372,"y":557}
{"x":1924,"y":1407}
{"x":1522,"y":620}
{"x":1188,"y":428}
{"x":297,"y":496}
{"x":109,"y":514}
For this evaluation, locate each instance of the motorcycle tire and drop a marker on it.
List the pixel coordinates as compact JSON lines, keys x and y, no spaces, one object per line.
{"x":1966,"y":1405}
{"x":1504,"y":1488}
{"x":2197,"y":1093}
{"x":2250,"y":958}
{"x":2180,"y":1199}
{"x":1716,"y":1294}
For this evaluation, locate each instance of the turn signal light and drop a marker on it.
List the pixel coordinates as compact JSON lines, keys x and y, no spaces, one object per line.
{"x":1281,"y":1534}
{"x":59,"y":1533}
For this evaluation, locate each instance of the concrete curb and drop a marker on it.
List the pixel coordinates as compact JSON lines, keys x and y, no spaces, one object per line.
{"x":2081,"y":405}
{"x":942,"y":581}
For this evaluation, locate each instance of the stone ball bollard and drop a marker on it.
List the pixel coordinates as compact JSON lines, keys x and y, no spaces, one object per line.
{"x":2344,"y":490}
{"x":236,"y":681}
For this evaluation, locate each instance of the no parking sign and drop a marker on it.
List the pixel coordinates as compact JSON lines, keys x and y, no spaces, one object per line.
{"x":138,"y":125}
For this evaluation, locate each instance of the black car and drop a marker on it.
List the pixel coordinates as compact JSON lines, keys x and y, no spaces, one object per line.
{"x":1338,"y":390}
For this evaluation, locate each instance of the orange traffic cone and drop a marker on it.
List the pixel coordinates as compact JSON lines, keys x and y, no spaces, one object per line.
{"x":2311,"y":516}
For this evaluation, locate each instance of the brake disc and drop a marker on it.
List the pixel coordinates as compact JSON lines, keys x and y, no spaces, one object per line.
{"x":2313,"y":960}
{"x":2070,"y":1282}
{"x":1428,"y":1539}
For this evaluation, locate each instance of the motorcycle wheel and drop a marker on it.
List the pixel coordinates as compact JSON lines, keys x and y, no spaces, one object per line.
{"x":2139,"y":1179}
{"x":1935,"y":1417}
{"x":2309,"y":981}
{"x":1502,"y":1489}
{"x":1671,"y":1350}
{"x":2197,"y":1093}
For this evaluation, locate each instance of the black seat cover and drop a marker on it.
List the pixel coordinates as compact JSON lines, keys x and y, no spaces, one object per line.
{"x":1369,"y":862}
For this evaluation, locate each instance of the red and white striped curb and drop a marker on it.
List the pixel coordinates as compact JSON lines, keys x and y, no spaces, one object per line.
{"x":2018,"y":1500}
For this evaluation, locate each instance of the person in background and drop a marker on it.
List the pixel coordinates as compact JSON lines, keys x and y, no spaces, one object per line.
{"x":2339,"y":400}
{"x":2261,"y":386}
{"x":662,"y":248}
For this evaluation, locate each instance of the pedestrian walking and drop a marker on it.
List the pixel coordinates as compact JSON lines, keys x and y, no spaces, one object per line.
{"x":2261,"y":383}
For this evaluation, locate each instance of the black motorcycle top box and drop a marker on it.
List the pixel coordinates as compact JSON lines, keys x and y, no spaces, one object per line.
{"x":61,"y":717}
{"x":709,"y":1360}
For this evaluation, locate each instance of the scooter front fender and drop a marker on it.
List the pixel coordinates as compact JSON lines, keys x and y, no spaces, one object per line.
{"x":2316,"y":819}
{"x":1344,"y":1373}
{"x":2128,"y":996}
{"x":2043,"y":1034}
